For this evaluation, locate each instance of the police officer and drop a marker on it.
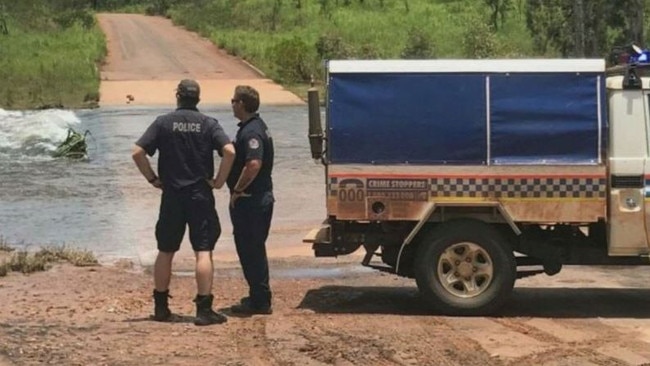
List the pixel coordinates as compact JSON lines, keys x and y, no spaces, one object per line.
{"x":186,"y":140}
{"x":251,"y":200}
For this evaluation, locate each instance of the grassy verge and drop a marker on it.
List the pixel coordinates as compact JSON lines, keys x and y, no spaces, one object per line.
{"x":53,"y":66}
{"x":22,"y":261}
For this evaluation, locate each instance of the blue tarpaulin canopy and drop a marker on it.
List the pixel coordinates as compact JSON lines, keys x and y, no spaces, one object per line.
{"x":466,"y":112}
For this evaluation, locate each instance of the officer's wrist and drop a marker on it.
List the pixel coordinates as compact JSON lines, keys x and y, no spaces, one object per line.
{"x":155,"y":178}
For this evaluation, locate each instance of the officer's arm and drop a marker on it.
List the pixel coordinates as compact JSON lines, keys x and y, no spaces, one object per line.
{"x":248,"y":174}
{"x":139,"y":155}
{"x":227,"y":159}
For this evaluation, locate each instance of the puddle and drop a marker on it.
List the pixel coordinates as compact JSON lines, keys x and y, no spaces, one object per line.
{"x":295,"y":272}
{"x":302,"y":272}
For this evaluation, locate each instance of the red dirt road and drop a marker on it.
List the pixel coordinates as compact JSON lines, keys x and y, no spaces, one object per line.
{"x":147,"y":56}
{"x":334,"y":316}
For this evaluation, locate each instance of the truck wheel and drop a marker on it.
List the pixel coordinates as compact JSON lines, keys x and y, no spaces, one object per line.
{"x":465,"y":267}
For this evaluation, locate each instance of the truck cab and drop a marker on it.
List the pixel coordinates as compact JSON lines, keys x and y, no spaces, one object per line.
{"x":629,"y":166}
{"x":469,"y":174}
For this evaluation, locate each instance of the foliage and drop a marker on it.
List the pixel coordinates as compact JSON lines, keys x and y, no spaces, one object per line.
{"x":289,"y":39}
{"x":584,"y":28}
{"x":410,"y":29}
{"x":49,"y":56}
{"x":293,"y":60}
{"x":418,"y":45}
{"x":498,"y":11}
{"x":24,"y":261}
{"x":4,"y":245}
{"x":73,"y":147}
{"x":54,"y":65}
{"x":332,"y":46}
{"x":479,"y":41}
{"x":77,"y":257}
{"x":69,"y":18}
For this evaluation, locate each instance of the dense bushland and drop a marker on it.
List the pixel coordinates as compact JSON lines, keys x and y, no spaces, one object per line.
{"x":289,"y":40}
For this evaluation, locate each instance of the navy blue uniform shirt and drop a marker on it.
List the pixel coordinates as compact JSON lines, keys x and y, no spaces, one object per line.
{"x":253,"y":142}
{"x":186,"y":140}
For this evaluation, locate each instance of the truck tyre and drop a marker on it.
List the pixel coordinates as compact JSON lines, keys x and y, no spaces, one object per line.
{"x":465,"y":267}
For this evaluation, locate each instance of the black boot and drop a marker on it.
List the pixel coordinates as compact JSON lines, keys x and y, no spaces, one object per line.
{"x":161,"y":309}
{"x":247,"y":307}
{"x":204,"y":313}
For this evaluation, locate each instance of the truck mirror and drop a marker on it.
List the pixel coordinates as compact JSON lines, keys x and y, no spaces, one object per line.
{"x":315,"y":128}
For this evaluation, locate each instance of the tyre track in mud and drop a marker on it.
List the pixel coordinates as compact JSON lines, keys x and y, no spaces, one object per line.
{"x":551,"y":341}
{"x":358,"y":340}
{"x":253,"y":343}
{"x":558,"y":349}
{"x":448,"y":346}
{"x":378,"y":325}
{"x":330,"y":344}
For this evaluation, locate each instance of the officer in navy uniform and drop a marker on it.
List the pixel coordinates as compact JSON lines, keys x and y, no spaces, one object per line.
{"x":186,"y":140}
{"x":251,"y":202}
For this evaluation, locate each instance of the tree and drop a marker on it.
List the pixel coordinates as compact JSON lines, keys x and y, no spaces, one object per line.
{"x":634,"y":21}
{"x":584,"y":28}
{"x":499,"y":9}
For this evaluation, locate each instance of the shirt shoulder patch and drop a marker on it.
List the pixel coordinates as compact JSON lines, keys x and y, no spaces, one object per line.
{"x":253,"y":143}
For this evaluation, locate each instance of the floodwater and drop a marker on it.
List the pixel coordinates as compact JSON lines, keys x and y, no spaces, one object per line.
{"x":103,"y":204}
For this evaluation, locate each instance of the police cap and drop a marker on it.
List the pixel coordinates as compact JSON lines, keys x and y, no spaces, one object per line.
{"x":188,"y":88}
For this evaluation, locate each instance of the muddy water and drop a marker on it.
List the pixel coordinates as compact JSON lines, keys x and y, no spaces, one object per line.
{"x":104,"y":205}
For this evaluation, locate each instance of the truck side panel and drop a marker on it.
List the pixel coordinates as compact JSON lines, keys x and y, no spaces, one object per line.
{"x":543,"y":194}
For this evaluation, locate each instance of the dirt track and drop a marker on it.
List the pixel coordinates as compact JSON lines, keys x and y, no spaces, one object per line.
{"x":147,"y":56}
{"x":99,"y":316}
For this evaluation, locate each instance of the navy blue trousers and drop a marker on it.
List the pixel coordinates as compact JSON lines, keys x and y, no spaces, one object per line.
{"x":251,"y":221}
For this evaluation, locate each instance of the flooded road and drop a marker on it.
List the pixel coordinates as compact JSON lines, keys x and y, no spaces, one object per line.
{"x":105,"y":205}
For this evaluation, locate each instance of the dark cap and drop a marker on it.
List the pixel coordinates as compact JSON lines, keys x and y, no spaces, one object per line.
{"x":188,"y":88}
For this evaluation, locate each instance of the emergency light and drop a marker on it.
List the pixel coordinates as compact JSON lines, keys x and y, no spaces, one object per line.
{"x":641,"y":56}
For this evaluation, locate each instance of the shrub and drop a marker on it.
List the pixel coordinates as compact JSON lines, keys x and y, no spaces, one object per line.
{"x":23,"y":262}
{"x":293,"y":59}
{"x":4,"y":246}
{"x":479,"y":40}
{"x":69,"y":18}
{"x":418,"y":45}
{"x":330,"y":47}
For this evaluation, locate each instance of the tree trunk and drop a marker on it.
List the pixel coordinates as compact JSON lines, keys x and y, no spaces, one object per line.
{"x":579,"y":28}
{"x":634,"y":31}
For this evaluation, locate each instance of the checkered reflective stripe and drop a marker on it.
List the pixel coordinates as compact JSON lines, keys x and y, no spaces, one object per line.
{"x":555,"y":187}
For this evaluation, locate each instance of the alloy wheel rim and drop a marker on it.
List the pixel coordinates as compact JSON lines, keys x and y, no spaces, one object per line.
{"x":465,"y":269}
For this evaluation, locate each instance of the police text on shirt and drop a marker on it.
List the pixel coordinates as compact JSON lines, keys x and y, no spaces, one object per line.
{"x":186,"y":127}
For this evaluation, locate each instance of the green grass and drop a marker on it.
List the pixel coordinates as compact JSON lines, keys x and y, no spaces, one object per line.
{"x":50,"y":68}
{"x":268,"y":37}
